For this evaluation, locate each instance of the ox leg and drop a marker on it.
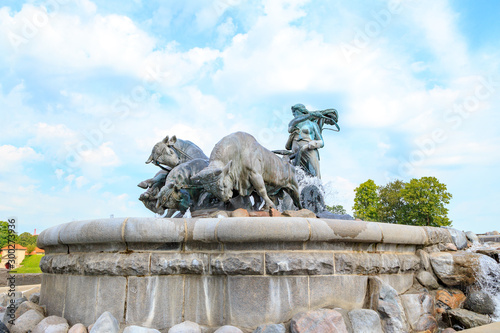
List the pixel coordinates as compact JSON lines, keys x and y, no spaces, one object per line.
{"x":293,"y":191}
{"x":260,"y":187}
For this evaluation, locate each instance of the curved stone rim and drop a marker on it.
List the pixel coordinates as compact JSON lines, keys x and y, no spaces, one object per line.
{"x":236,"y":230}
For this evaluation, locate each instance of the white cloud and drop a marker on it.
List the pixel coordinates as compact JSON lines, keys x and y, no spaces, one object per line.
{"x":12,"y":158}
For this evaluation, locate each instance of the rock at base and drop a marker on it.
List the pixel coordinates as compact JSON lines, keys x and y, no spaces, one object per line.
{"x":185,"y":327}
{"x":449,"y":299}
{"x":106,"y":323}
{"x":240,"y":212}
{"x":365,"y":321}
{"x":78,"y":328}
{"x":299,"y":213}
{"x":466,"y":318}
{"x":35,"y":298}
{"x":4,"y":329}
{"x":456,"y":268}
{"x":228,"y":329}
{"x":427,"y":280}
{"x":26,"y":306}
{"x":26,"y":322}
{"x":52,"y":324}
{"x":270,"y":328}
{"x":480,"y":302}
{"x":318,"y":321}
{"x":420,"y":312}
{"x":139,"y":329}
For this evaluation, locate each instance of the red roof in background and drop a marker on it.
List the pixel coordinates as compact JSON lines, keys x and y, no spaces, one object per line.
{"x":16,"y":246}
{"x":36,"y":251}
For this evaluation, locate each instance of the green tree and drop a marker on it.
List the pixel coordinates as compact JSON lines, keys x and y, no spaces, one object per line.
{"x":366,"y":201}
{"x":425,"y":199}
{"x":30,"y":248}
{"x":392,"y":208}
{"x":26,"y":239}
{"x":336,"y":209}
{"x":4,"y":232}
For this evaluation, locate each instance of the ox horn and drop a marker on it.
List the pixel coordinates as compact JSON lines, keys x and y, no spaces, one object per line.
{"x":150,"y":159}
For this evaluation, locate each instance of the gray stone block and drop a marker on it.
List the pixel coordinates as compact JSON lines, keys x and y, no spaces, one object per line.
{"x":400,"y":282}
{"x":437,"y":235}
{"x":458,"y":237}
{"x":343,"y":291}
{"x":111,"y":296}
{"x":100,"y":231}
{"x":128,"y":264}
{"x":366,"y":263}
{"x":251,"y":300}
{"x":237,"y":263}
{"x":67,"y":264}
{"x":155,"y":301}
{"x":106,"y":323}
{"x":204,"y":300}
{"x":365,"y":321}
{"x":264,"y":246}
{"x":403,"y":234}
{"x":347,"y":231}
{"x":80,"y":299}
{"x":179,"y":263}
{"x":203,"y":230}
{"x":264,"y":229}
{"x":49,"y":237}
{"x":154,"y":230}
{"x":53,"y":293}
{"x":293,"y":263}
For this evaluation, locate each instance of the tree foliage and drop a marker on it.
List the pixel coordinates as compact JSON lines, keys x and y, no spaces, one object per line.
{"x":30,"y":248}
{"x":417,"y":202}
{"x":336,"y":209}
{"x":26,"y":239}
{"x":366,"y":201}
{"x":4,"y":232}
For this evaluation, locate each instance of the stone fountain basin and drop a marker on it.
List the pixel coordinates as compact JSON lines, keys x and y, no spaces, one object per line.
{"x":158,"y":272}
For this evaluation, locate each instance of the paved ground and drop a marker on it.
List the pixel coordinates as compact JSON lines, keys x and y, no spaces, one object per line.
{"x":26,"y":290}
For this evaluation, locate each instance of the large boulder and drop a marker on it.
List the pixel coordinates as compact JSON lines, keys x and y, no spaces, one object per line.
{"x":448,"y":299}
{"x":384,"y":299}
{"x":52,"y":324}
{"x":26,"y":306}
{"x":106,"y":323}
{"x":466,"y":318}
{"x":26,"y":322}
{"x":420,"y":310}
{"x":457,"y":268}
{"x":365,"y":321}
{"x":318,"y":321}
{"x":78,"y":328}
{"x":35,"y":298}
{"x":472,"y":237}
{"x":480,"y":302}
{"x":185,"y":327}
{"x":427,"y":280}
{"x":458,"y":237}
{"x":270,"y":328}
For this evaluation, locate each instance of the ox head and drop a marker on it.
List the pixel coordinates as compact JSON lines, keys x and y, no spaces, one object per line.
{"x":163,"y":153}
{"x":173,"y":197}
{"x":217,"y":181}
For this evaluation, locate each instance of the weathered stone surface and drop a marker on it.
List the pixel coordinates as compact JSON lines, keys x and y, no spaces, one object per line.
{"x":4,"y":329}
{"x":318,"y":321}
{"x":480,"y":302}
{"x":490,"y":252}
{"x":66,"y":264}
{"x":448,"y":330}
{"x":206,"y":300}
{"x":251,"y":300}
{"x":426,"y":324}
{"x":384,"y":299}
{"x":403,"y":234}
{"x":427,"y":280}
{"x":343,"y":291}
{"x":291,"y":263}
{"x":449,"y":299}
{"x":240,"y":212}
{"x":185,"y":327}
{"x":116,"y":264}
{"x":424,"y":260}
{"x":366,"y":263}
{"x":80,"y":301}
{"x":466,"y":318}
{"x":35,"y":298}
{"x":472,"y":237}
{"x":458,"y":237}
{"x":418,"y":307}
{"x":179,"y":263}
{"x":139,"y":329}
{"x":26,"y":322}
{"x":457,"y":268}
{"x":106,"y":324}
{"x":437,"y":235}
{"x":448,"y":247}
{"x":78,"y":328}
{"x":53,"y":293}
{"x":238,"y":264}
{"x":400,"y":282}
{"x":26,"y":306}
{"x":299,"y":213}
{"x":52,"y":324}
{"x":228,"y":329}
{"x":270,"y":328}
{"x":365,"y":321}
{"x":111,"y":295}
{"x":157,"y":296}
{"x":348,"y":231}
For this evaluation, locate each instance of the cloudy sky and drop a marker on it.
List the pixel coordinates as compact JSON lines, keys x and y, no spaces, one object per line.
{"x":88,"y":87}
